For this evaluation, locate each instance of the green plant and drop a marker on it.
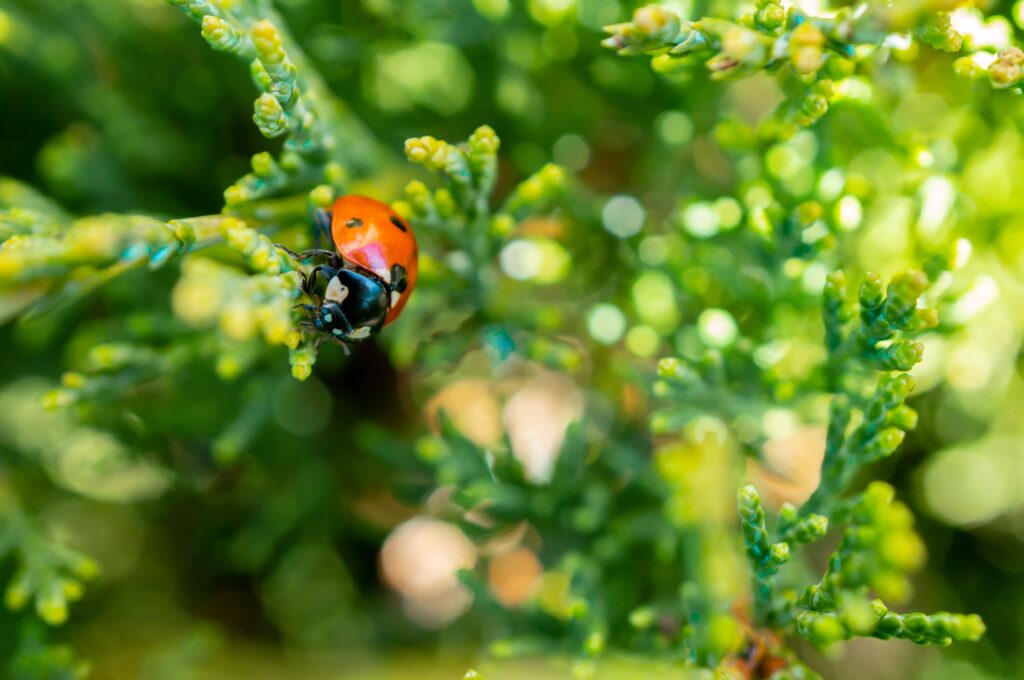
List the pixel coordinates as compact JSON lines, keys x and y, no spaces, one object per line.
{"x":778,"y":152}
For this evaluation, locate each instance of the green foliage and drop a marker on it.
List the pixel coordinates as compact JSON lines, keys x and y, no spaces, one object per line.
{"x":630,"y":305}
{"x":39,"y":662}
{"x":878,"y":546}
{"x":48,"y":575}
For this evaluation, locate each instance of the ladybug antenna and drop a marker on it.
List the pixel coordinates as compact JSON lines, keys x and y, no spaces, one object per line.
{"x":322,"y":219}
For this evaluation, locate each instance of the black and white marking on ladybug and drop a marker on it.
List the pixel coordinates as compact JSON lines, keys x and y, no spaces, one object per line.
{"x":336,"y":291}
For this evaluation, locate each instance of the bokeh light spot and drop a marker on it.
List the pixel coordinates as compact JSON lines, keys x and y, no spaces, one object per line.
{"x":303,"y":407}
{"x":717,"y":328}
{"x":674,"y":127}
{"x":494,"y":10}
{"x":606,"y":323}
{"x":653,"y":250}
{"x":521,"y":259}
{"x":964,"y":486}
{"x":730,"y":213}
{"x":849,"y":213}
{"x":623,"y":216}
{"x":643,"y":341}
{"x":701,"y":220}
{"x":654,"y":298}
{"x":571,"y":152}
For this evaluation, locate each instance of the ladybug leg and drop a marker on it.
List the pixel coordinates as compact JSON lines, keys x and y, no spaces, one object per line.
{"x":399,"y":280}
{"x":319,"y":339}
{"x":333,"y":259}
{"x":348,"y":327}
{"x":309,"y":281}
{"x":288,"y":250}
{"x":311,"y":312}
{"x":344,"y":345}
{"x":322,"y":226}
{"x":327,"y":271}
{"x":317,"y":252}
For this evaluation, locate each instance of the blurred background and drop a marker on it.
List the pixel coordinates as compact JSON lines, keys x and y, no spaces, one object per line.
{"x":263,"y":527}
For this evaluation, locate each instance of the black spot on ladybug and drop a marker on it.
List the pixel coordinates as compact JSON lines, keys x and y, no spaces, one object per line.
{"x":398,"y":223}
{"x":399,"y":282}
{"x":353,"y":223}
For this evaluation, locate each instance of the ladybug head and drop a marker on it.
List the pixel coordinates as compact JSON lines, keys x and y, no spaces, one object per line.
{"x":354,"y":306}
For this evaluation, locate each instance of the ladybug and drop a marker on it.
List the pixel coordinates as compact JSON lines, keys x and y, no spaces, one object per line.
{"x":368,"y":278}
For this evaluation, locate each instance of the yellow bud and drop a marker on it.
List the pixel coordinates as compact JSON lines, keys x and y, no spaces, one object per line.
{"x":1006,"y":69}
{"x":484,"y":140}
{"x":235,"y":194}
{"x":417,"y":191}
{"x":322,"y":196}
{"x":73,"y":590}
{"x":10,"y":265}
{"x":275,"y":265}
{"x":553,"y":177}
{"x":290,"y":281}
{"x":656,"y":21}
{"x":806,"y":49}
{"x":903,"y":549}
{"x":52,"y":607}
{"x":335,"y":173}
{"x":502,"y":225}
{"x":238,"y":322}
{"x":404,"y":209}
{"x":56,"y":399}
{"x":263,"y":164}
{"x":86,"y":568}
{"x":267,"y":41}
{"x":217,"y":32}
{"x":278,"y":333}
{"x":301,"y":371}
{"x":16,"y":596}
{"x":228,"y":367}
{"x":93,"y":239}
{"x":196,"y":301}
{"x":108,"y":355}
{"x":739,"y":43}
{"x":242,"y":240}
{"x":262,"y":257}
{"x":420,"y":149}
{"x":430,"y":267}
{"x":444,"y":202}
{"x":531,"y":190}
{"x":552,"y":594}
{"x":968,"y":68}
{"x":724,"y":634}
{"x":807,"y":35}
{"x":184,"y":231}
{"x":270,"y":118}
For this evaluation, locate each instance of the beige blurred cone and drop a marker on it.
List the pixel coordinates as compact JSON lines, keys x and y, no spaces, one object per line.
{"x":791,"y":467}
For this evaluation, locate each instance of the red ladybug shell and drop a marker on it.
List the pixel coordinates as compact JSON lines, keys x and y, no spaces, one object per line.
{"x":372,"y":236}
